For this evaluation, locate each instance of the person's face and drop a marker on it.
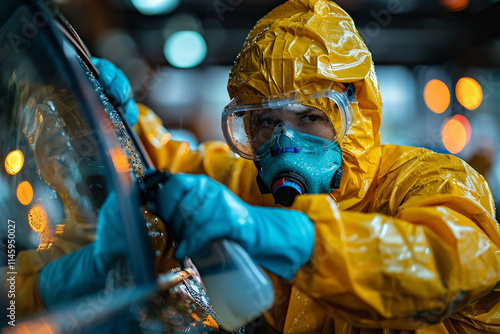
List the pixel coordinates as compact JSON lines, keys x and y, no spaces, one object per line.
{"x":304,"y":119}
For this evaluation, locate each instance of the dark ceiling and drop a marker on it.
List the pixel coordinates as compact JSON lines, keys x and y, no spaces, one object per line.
{"x":407,"y":32}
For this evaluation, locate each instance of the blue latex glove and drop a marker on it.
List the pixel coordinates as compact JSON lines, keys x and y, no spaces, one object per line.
{"x":199,"y":210}
{"x":117,"y":86}
{"x":85,"y":270}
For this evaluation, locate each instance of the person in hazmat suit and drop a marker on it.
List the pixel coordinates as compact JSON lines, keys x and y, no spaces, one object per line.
{"x":357,"y":236}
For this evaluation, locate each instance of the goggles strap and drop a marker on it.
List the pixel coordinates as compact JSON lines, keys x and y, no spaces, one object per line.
{"x":349,"y":92}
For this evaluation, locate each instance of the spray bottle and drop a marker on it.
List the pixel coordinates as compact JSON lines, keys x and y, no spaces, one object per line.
{"x":238,"y":290}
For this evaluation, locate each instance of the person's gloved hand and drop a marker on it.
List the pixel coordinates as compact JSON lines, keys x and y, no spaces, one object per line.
{"x":199,"y":210}
{"x":117,"y":86}
{"x":85,"y":270}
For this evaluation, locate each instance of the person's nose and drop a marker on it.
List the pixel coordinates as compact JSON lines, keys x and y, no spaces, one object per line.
{"x":282,"y":136}
{"x":282,"y":127}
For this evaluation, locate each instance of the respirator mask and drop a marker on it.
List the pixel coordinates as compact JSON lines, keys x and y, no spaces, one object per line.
{"x":292,"y":138}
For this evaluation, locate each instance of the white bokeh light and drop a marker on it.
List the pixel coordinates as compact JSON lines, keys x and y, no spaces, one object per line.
{"x":185,"y":49}
{"x":155,"y":7}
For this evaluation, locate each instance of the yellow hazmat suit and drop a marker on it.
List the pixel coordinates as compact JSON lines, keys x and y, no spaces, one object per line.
{"x":408,"y":242}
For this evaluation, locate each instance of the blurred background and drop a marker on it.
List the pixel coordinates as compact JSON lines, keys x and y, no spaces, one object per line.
{"x":437,"y":62}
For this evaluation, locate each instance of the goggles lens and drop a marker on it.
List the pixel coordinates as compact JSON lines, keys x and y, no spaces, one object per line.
{"x":326,"y":115}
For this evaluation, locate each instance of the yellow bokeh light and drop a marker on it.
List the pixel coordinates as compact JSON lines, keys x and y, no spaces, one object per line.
{"x":24,"y":192}
{"x":469,"y":93}
{"x":437,"y":96}
{"x":454,"y":135}
{"x":14,"y":162}
{"x":37,"y":218}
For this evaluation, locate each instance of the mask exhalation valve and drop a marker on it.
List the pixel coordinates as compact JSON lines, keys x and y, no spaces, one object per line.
{"x":286,"y":186}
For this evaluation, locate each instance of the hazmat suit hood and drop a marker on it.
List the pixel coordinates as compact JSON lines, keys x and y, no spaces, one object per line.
{"x":310,"y":45}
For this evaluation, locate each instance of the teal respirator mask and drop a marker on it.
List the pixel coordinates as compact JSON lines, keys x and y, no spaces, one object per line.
{"x":293,"y":139}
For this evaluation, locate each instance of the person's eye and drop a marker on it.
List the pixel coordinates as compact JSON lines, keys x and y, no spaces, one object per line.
{"x":312,"y":118}
{"x":267,"y":122}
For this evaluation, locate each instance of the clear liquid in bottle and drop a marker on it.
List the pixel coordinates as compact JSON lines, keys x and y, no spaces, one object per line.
{"x":239,"y":291}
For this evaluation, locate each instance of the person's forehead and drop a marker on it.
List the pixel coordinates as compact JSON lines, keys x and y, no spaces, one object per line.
{"x":291,"y":109}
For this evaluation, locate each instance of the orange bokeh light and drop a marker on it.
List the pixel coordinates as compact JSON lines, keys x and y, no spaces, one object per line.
{"x":14,"y":162}
{"x":465,"y":122}
{"x":120,"y":160}
{"x":454,"y":135}
{"x":436,"y":96}
{"x":24,"y":192}
{"x":469,"y":93}
{"x":455,"y":5}
{"x":37,"y":218}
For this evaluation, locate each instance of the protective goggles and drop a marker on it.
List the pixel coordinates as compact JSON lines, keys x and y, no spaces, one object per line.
{"x":326,"y":114}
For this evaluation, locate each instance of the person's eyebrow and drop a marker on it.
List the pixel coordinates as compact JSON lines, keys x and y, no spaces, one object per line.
{"x":308,"y":110}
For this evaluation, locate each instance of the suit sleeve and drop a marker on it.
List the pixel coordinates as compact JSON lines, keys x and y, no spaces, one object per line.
{"x":29,"y":264}
{"x":426,"y":247}
{"x":212,"y":158}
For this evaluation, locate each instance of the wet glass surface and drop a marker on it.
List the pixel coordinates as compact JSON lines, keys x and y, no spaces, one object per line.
{"x":60,"y":164}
